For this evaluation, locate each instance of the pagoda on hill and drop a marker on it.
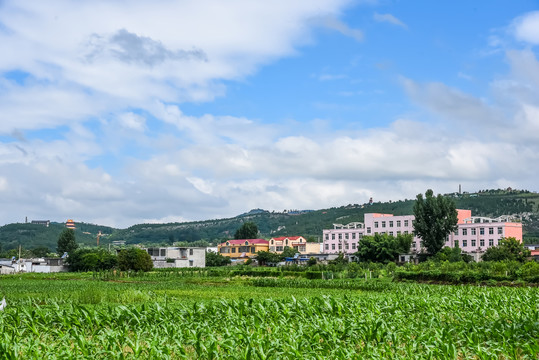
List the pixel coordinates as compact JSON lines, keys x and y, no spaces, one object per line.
{"x":70,"y":224}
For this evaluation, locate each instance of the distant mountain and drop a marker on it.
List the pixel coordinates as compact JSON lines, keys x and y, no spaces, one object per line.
{"x":491,"y":203}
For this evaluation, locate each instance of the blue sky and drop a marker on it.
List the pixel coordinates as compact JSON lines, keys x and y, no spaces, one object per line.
{"x":131,"y":111}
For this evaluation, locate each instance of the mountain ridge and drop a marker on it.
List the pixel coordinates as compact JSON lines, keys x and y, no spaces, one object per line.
{"x":522,"y":204}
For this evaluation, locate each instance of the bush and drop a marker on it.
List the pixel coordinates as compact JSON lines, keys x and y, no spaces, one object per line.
{"x":134,"y":259}
{"x":91,"y":260}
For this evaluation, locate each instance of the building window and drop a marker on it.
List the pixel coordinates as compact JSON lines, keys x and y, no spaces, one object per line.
{"x":327,"y":246}
{"x":391,"y":233}
{"x":391,"y":224}
{"x":191,"y":263}
{"x":464,"y":243}
{"x":340,"y":236}
{"x":279,"y":248}
{"x":353,"y":246}
{"x":383,"y":224}
{"x":481,"y":231}
{"x":233,"y":250}
{"x":474,"y":231}
{"x":456,"y":232}
{"x":346,"y":246}
{"x":327,"y":236}
{"x":376,"y":224}
{"x":253,"y":250}
{"x":368,"y":230}
{"x":346,"y":236}
{"x":406,"y":231}
{"x":340,"y":246}
{"x":490,"y":242}
{"x":353,"y":236}
{"x":456,"y":243}
{"x":474,"y":242}
{"x":332,"y":246}
{"x":398,"y":232}
{"x":481,"y":242}
{"x":491,"y":231}
{"x":332,"y":236}
{"x":398,"y":223}
{"x":405,"y":222}
{"x":464,"y":231}
{"x":500,"y":231}
{"x":190,"y":251}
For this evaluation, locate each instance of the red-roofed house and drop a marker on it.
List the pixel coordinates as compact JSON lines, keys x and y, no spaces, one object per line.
{"x":299,"y":243}
{"x":244,"y":248}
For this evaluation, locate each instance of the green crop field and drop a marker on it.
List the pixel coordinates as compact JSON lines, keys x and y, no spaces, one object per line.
{"x":182,"y":316}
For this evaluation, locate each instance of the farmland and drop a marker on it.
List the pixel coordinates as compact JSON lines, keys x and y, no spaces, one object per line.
{"x":188,"y":316}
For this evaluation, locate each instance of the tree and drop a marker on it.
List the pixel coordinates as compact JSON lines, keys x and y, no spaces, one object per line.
{"x":40,"y":251}
{"x":248,"y":230}
{"x":66,"y":242}
{"x":435,"y":218}
{"x":215,"y":259}
{"x":134,"y":259}
{"x":264,"y":257}
{"x":288,"y":252}
{"x":452,"y":255}
{"x":383,"y":248}
{"x":508,"y":249}
{"x":91,"y":260}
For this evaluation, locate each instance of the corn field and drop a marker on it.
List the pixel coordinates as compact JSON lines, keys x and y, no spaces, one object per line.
{"x":376,"y":321}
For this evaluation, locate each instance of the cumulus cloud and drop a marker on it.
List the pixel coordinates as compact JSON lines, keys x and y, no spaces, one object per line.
{"x":526,"y":28}
{"x":131,"y":48}
{"x":118,"y":81}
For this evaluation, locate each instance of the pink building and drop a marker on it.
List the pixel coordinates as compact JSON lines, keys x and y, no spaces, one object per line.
{"x":342,"y":238}
{"x":474,"y":234}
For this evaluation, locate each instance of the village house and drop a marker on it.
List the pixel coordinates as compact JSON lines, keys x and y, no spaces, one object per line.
{"x":37,"y":265}
{"x":298,"y":243}
{"x":242,"y":249}
{"x":177,"y":257}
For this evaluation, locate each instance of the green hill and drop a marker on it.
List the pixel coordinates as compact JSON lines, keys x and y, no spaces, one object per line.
{"x":31,"y":236}
{"x":490,"y":203}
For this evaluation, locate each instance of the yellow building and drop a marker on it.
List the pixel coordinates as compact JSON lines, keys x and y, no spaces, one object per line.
{"x":244,"y":248}
{"x":299,"y":243}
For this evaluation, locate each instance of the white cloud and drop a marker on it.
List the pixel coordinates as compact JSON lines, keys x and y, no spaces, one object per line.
{"x":388,"y":18}
{"x":333,"y":23}
{"x":132,"y":121}
{"x":110,"y":59}
{"x":105,"y":84}
{"x":526,"y":28}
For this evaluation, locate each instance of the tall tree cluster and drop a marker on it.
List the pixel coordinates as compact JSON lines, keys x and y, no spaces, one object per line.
{"x":66,"y":242}
{"x":435,"y":218}
{"x":248,"y":230}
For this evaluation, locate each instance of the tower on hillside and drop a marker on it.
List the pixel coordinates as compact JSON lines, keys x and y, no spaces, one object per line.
{"x":70,"y":224}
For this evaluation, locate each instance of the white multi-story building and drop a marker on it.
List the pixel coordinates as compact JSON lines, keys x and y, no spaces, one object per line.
{"x":177,"y":257}
{"x":474,"y":234}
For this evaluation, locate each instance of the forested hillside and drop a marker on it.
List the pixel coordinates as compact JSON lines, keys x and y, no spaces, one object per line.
{"x":491,"y":203}
{"x":31,"y":236}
